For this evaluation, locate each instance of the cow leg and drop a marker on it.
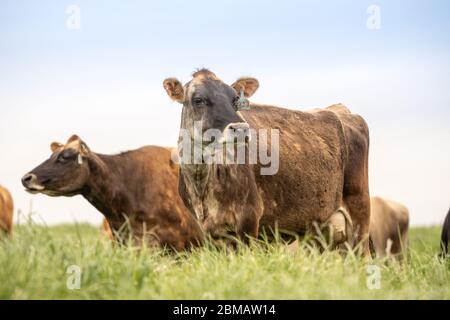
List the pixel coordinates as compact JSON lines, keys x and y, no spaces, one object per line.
{"x":400,"y":242}
{"x":358,"y":206}
{"x":247,"y":225}
{"x":356,"y":196}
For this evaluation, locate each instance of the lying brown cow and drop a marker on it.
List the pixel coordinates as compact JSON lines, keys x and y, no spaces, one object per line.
{"x":389,"y":223}
{"x":135,"y":189}
{"x":323,"y":162}
{"x":6,"y":211}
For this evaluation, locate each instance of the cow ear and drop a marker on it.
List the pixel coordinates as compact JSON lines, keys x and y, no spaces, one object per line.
{"x":84,"y":149}
{"x":73,"y":138}
{"x":174,"y":89}
{"x":247,"y":85}
{"x":55,"y":146}
{"x":79,"y":145}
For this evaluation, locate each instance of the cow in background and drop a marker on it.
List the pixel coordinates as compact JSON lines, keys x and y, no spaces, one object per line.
{"x":445,"y":236}
{"x":136,"y":191}
{"x":389,"y":222}
{"x":6,"y":211}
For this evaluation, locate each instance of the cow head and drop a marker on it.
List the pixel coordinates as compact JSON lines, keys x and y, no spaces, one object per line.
{"x":64,"y":173}
{"x":212,"y":103}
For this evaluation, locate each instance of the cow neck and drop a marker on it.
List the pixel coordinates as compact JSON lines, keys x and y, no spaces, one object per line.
{"x":197,"y":175}
{"x":203,"y":180}
{"x":105,"y":189}
{"x":203,"y":173}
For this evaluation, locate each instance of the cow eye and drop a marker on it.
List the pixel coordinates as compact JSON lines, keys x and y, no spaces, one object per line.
{"x":65,"y":156}
{"x":199,"y":102}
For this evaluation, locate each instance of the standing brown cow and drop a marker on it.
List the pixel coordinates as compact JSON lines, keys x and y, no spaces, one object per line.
{"x":136,"y":191}
{"x":323,"y":162}
{"x":6,"y":211}
{"x":389,"y":222}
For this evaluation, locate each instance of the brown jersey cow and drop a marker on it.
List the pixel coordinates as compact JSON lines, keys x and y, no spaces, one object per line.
{"x":6,"y":211}
{"x":389,"y":222}
{"x":320,"y":161}
{"x":136,"y":191}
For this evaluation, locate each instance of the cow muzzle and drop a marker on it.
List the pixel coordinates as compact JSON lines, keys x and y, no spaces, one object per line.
{"x":236,"y":132}
{"x":30,"y":182}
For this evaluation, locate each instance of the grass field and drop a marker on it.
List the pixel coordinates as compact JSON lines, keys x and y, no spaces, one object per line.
{"x":34,"y":265}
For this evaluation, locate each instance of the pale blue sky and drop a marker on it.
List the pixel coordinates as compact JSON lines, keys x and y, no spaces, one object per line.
{"x":103,"y":81}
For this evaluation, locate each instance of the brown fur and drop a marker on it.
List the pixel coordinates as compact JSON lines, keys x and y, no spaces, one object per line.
{"x":323,"y":167}
{"x":6,"y":211}
{"x":107,"y":229}
{"x":204,"y":74}
{"x":136,"y":190}
{"x":389,"y":222}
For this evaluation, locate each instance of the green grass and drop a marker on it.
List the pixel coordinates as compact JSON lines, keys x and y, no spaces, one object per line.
{"x":33,"y":265}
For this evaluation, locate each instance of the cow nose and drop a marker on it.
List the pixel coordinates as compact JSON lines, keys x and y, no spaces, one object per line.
{"x":28,"y":179}
{"x":240,"y":127}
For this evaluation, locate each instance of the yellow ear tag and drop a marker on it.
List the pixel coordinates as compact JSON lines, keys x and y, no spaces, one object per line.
{"x":80,"y":159}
